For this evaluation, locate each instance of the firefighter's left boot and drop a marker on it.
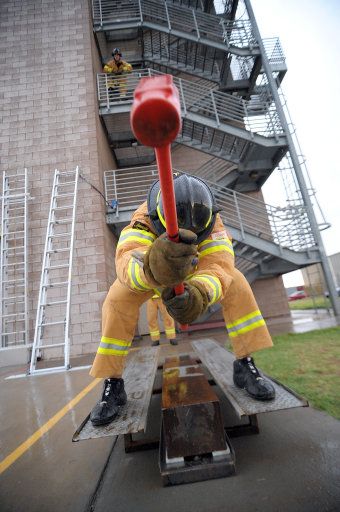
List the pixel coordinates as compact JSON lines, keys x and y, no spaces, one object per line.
{"x":247,"y":376}
{"x":113,"y":396}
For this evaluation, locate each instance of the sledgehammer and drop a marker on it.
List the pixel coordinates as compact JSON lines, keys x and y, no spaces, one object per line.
{"x":155,"y":121}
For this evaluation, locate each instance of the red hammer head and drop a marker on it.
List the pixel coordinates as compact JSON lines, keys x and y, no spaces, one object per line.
{"x":156,"y":112}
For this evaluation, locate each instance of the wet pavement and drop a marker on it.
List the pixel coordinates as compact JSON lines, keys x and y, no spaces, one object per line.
{"x":292,"y":465}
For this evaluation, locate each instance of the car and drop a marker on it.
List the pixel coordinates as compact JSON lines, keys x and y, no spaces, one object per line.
{"x":300,"y":294}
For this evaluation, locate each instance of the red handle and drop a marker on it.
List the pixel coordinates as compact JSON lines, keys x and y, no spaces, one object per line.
{"x":155,"y":121}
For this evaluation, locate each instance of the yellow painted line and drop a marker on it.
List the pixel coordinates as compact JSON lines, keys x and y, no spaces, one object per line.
{"x":26,"y":445}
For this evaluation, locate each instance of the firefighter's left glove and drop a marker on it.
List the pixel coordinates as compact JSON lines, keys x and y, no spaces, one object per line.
{"x":188,"y":306}
{"x":167,"y":263}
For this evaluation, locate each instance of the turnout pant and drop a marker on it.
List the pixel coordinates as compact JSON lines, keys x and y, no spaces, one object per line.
{"x":154,"y":305}
{"x":246,"y":327}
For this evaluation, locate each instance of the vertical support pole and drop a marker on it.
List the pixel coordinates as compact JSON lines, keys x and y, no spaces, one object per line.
{"x":295,"y":161}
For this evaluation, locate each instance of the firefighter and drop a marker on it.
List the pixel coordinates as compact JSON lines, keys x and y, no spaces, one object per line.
{"x":204,"y":261}
{"x":117,"y":66}
{"x":154,"y":305}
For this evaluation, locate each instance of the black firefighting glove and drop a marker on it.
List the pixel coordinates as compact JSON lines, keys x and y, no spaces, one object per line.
{"x":167,"y":263}
{"x":188,"y":306}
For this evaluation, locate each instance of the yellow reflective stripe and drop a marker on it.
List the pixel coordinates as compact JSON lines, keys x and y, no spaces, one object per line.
{"x":154,"y":333}
{"x":246,"y":323}
{"x":253,"y":314}
{"x":170,"y":331}
{"x":115,"y":341}
{"x":112,"y":352}
{"x":137,"y":270}
{"x":214,"y":284}
{"x":135,"y":278}
{"x":136,"y":235}
{"x":210,"y":241}
{"x":216,"y":248}
{"x":247,"y":328}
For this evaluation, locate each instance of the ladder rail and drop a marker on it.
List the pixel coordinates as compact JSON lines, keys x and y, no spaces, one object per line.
{"x":60,"y":318}
{"x":13,"y":264}
{"x":68,"y":304}
{"x":37,"y":329}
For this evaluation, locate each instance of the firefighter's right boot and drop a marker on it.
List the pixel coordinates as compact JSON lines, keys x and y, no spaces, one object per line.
{"x":113,"y":396}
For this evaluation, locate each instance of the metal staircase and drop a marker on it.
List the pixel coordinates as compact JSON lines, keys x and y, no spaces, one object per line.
{"x":268,"y":240}
{"x":189,"y":40}
{"x":13,"y":264}
{"x":246,"y":134}
{"x":236,"y":115}
{"x":53,"y":310}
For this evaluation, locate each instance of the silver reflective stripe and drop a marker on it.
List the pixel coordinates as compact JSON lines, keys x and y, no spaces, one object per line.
{"x":240,"y":326}
{"x":134,"y":277}
{"x":136,"y":233}
{"x":112,"y":346}
{"x":216,"y":243}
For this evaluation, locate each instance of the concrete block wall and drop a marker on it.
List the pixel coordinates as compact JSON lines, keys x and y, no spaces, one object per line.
{"x":49,"y":119}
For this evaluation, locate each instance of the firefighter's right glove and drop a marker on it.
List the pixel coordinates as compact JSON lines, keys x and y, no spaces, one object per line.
{"x":188,"y":306}
{"x":167,"y":263}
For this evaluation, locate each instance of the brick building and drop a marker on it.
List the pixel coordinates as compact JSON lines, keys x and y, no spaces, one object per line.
{"x":50,"y":119}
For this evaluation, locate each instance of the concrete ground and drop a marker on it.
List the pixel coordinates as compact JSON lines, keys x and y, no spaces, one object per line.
{"x":291,"y":466}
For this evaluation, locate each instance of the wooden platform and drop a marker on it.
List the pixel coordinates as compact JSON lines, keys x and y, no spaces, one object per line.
{"x":219,"y":362}
{"x":139,"y":376}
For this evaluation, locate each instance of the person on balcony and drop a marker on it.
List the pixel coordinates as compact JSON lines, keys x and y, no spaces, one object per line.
{"x":154,"y":305}
{"x":204,"y":261}
{"x":117,"y":66}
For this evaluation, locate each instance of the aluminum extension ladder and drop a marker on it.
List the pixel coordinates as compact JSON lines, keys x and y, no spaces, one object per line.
{"x":13,"y":260}
{"x":53,"y":309}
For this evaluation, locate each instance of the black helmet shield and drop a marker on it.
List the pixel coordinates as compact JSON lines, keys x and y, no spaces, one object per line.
{"x":195,"y":205}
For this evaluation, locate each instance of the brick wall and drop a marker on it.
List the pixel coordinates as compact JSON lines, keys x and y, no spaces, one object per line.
{"x":49,"y":120}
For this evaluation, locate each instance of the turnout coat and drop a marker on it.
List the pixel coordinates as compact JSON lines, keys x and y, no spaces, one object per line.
{"x":215,"y":270}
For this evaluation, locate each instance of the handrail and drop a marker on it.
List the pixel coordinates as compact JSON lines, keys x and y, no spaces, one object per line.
{"x":169,"y":16}
{"x":217,"y":106}
{"x":287,"y":226}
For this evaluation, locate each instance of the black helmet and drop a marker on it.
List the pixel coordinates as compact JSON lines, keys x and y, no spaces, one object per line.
{"x":116,"y":51}
{"x":195,"y":205}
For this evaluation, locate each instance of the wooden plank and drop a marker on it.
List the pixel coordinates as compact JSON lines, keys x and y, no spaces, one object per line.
{"x":139,"y":376}
{"x":219,"y":362}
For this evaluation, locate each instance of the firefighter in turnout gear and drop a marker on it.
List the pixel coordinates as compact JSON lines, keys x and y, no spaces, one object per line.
{"x":116,"y":67}
{"x":154,"y":305}
{"x":204,"y":261}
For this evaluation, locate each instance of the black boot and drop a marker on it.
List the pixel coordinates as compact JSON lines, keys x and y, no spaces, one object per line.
{"x":247,"y":376}
{"x":107,"y":409}
{"x":173,"y":342}
{"x":155,"y":343}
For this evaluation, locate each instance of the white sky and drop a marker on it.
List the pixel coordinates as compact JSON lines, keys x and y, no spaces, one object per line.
{"x":309,"y":31}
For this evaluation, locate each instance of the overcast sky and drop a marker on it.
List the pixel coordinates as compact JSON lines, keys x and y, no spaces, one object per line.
{"x":309,"y":32}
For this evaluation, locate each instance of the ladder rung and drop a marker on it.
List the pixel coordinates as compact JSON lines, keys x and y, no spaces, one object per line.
{"x":55,"y":303}
{"x":52,"y":285}
{"x":14,"y":232}
{"x":13,"y":297}
{"x":62,"y":207}
{"x":63,"y":221}
{"x":10,"y":333}
{"x":54,"y":267}
{"x":14,"y":280}
{"x":59,"y":235}
{"x":46,"y":324}
{"x":66,"y":183}
{"x":14,"y":314}
{"x":66,"y":194}
{"x":52,"y":345}
{"x":14,"y":217}
{"x":13,"y":264}
{"x":67,"y":249}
